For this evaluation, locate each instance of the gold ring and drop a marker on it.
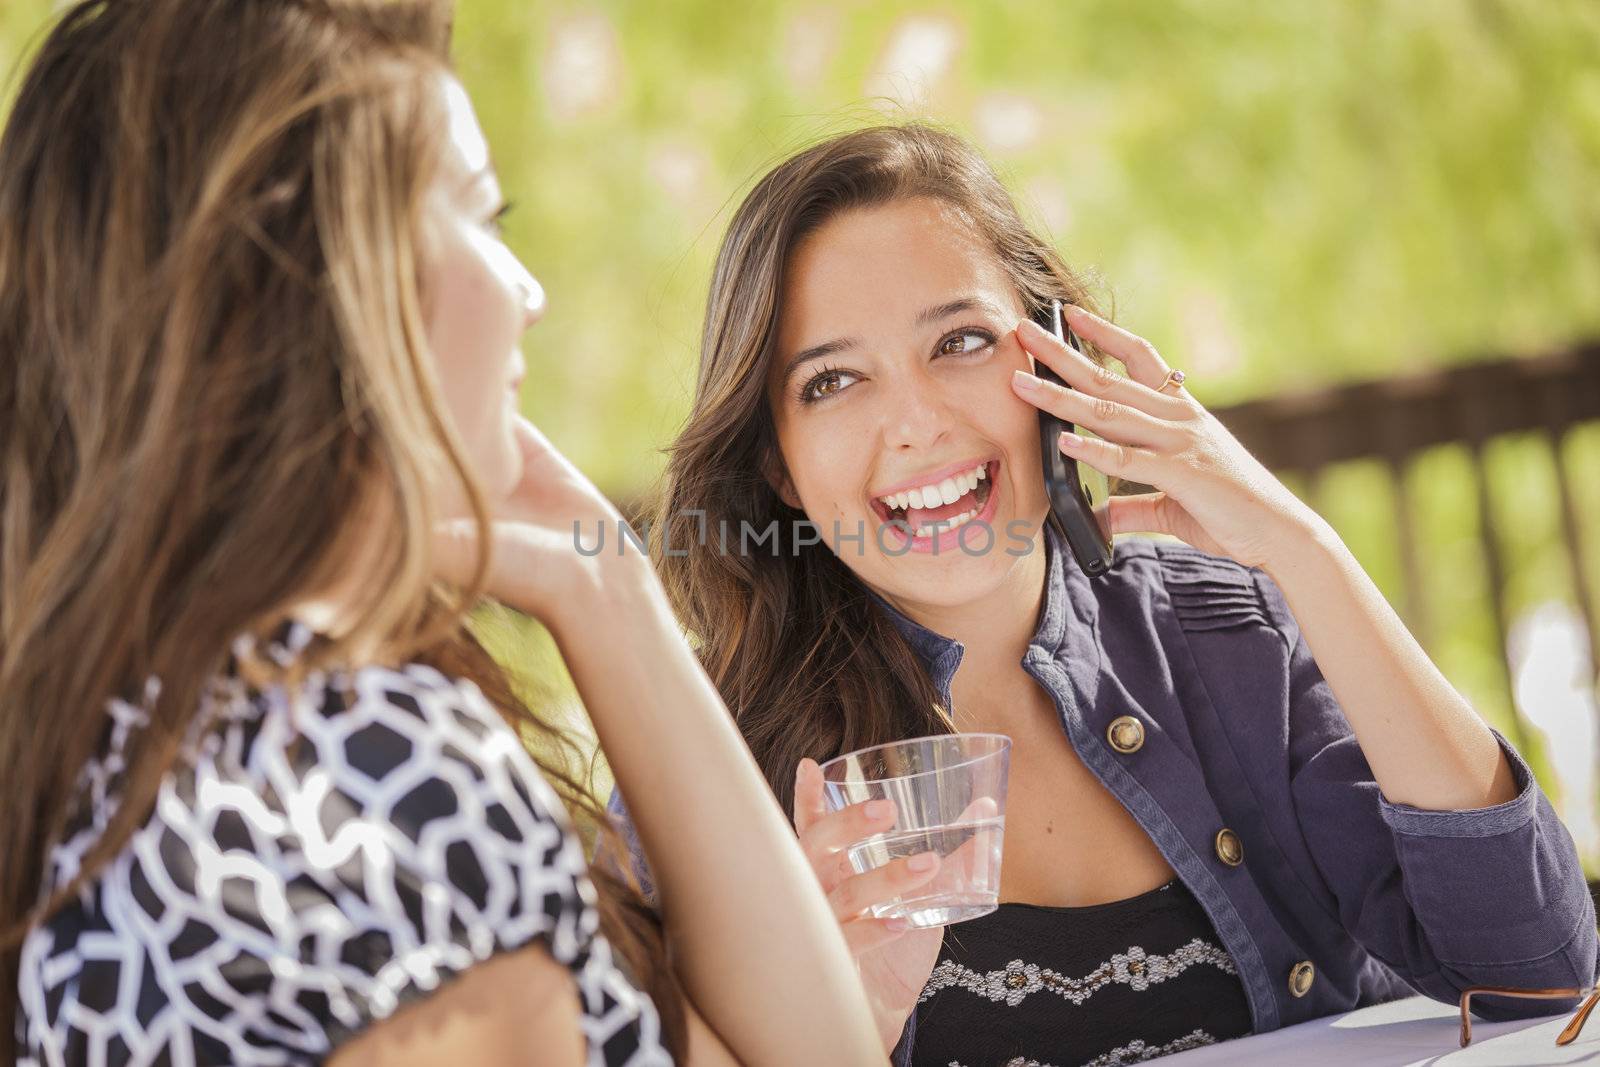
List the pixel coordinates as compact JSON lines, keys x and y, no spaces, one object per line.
{"x":1173,"y":378}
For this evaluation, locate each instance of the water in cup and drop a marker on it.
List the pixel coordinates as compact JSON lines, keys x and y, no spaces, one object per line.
{"x":970,"y":864}
{"x":949,"y":793}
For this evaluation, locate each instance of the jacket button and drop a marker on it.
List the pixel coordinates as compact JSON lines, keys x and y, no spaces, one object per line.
{"x":1230,"y":849}
{"x":1126,"y":734}
{"x":1301,"y":975}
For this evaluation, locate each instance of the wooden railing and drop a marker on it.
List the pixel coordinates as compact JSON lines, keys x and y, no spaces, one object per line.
{"x":1395,"y":420}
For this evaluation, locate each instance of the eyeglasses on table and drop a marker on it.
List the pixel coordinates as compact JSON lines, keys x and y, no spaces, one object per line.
{"x":1568,"y":1034}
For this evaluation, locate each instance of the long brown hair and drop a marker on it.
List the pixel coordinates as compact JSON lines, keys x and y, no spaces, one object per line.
{"x":211,"y":313}
{"x":804,"y":656}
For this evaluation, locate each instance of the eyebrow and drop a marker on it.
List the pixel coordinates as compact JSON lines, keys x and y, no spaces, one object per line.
{"x":926,"y":317}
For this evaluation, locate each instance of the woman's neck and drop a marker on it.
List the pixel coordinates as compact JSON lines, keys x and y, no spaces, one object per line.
{"x":994,"y":630}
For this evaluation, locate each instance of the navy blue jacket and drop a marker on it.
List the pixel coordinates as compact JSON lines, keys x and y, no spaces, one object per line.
{"x":1342,"y":898}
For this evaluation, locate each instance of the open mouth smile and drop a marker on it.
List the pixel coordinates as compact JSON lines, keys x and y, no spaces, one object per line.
{"x":940,"y":506}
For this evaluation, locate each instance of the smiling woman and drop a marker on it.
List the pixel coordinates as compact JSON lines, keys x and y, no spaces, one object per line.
{"x":1240,"y":795}
{"x":892,"y":323}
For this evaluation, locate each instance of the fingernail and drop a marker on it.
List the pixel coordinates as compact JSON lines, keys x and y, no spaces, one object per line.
{"x":1070,"y":440}
{"x":1024,"y":381}
{"x":879,"y":809}
{"x":1034,"y":327}
{"x":896,"y":926}
{"x":923,"y":863}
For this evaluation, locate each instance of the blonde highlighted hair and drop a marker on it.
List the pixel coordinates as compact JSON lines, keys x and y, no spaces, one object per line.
{"x":217,"y":393}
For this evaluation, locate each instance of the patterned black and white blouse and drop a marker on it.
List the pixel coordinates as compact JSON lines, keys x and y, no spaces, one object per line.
{"x":322,"y":858}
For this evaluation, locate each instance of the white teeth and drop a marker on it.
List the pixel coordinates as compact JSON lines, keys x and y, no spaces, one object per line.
{"x":948,"y":525}
{"x":931,"y":496}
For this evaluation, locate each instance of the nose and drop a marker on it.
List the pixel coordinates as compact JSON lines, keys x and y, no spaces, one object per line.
{"x":532,"y":296}
{"x":918,"y":417}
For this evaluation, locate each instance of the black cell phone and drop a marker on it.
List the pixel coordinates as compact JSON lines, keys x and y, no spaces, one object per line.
{"x":1078,"y":493}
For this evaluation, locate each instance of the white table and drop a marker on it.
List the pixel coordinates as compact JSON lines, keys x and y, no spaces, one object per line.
{"x":1416,"y":1032}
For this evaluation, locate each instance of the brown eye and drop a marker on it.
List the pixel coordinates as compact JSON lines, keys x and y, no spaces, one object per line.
{"x":825,"y":384}
{"x":965,"y":343}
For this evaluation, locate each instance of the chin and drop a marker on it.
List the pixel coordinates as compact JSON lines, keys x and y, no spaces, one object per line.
{"x":943,"y":581}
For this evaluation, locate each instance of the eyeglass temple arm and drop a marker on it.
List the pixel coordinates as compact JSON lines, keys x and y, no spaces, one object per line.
{"x":1568,"y":1034}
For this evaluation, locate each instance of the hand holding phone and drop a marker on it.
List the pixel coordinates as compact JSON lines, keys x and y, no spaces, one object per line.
{"x":1078,"y":493}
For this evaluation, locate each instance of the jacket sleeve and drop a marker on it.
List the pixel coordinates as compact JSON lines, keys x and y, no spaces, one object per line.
{"x":901,"y":1056}
{"x":1448,"y":899}
{"x":634,"y":862}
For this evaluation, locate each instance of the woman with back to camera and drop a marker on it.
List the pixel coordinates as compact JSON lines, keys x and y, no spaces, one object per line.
{"x":265,"y":796}
{"x":1241,"y":796}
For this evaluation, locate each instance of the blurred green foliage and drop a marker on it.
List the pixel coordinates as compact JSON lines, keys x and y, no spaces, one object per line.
{"x":1277,"y":195}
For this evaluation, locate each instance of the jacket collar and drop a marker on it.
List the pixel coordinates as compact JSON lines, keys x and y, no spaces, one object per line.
{"x":1068,"y":628}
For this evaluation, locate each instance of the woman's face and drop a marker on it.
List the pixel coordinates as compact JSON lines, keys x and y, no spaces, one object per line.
{"x":479,"y":300}
{"x":891,"y":395}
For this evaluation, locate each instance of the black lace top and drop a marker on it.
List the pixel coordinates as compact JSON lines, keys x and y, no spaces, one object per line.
{"x":1099,"y":986}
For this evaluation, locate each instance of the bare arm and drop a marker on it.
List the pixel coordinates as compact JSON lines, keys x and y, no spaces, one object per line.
{"x":754,"y":941}
{"x":757,"y":946}
{"x":519,"y":1009}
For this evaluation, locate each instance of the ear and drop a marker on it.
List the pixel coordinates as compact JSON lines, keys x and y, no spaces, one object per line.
{"x":777,"y":476}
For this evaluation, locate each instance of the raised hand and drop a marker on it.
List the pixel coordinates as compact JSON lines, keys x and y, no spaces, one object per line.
{"x":894,"y":958}
{"x":534,"y":562}
{"x":1212,"y":492}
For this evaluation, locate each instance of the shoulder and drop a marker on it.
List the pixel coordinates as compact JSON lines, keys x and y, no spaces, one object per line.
{"x":429,"y":797}
{"x":411,"y":746}
{"x":341,"y":849}
{"x":466,"y":852}
{"x":1206,"y":592}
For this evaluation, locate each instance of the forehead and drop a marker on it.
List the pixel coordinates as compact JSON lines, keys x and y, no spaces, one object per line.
{"x":873,"y":269}
{"x":466,"y":149}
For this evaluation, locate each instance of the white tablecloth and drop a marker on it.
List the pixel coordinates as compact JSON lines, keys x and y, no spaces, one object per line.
{"x":1416,"y":1032}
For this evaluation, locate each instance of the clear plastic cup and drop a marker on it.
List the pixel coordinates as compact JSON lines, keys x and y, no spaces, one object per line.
{"x":949,"y":794}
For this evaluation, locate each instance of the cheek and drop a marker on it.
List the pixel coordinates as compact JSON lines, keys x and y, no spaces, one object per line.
{"x":826,"y":454}
{"x":1012,"y":420}
{"x":831,"y":480}
{"x":465,"y":329}
{"x":472,"y":330}
{"x":979,"y":398}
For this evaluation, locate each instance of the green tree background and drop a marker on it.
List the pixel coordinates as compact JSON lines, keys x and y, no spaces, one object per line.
{"x":1277,"y":195}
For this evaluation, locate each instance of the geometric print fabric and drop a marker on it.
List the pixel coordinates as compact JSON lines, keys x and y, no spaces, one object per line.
{"x":318,"y":860}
